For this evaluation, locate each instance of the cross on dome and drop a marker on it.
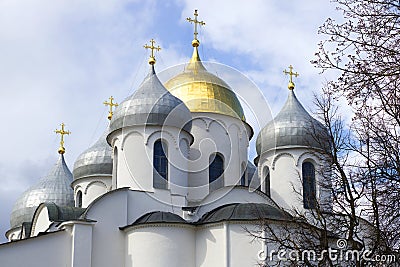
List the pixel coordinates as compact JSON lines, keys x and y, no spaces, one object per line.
{"x":195,"y":21}
{"x":111,"y":104}
{"x":291,"y":74}
{"x":62,"y":132}
{"x":152,"y":59}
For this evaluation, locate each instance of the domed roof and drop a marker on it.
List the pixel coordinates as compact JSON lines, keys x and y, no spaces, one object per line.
{"x":243,"y":212}
{"x":95,"y":161}
{"x":293,"y":126}
{"x":203,"y":91}
{"x":151,"y":104}
{"x":55,"y":187}
{"x":159,"y":217}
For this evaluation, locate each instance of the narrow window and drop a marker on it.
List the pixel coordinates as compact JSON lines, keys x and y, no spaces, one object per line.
{"x":160,"y":162}
{"x":115,"y":166}
{"x":215,"y":172}
{"x":309,"y":190}
{"x":79,"y":199}
{"x":267,"y":181}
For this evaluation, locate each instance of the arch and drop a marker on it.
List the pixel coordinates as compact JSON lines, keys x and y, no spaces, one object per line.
{"x":310,"y":155}
{"x":202,"y":120}
{"x":129,"y":134}
{"x":220,"y":123}
{"x":216,"y":171}
{"x":160,"y":164}
{"x":78,"y":187}
{"x":309,"y":186}
{"x":164,"y":131}
{"x":279,"y":156}
{"x":94,"y":182}
{"x":78,"y":200}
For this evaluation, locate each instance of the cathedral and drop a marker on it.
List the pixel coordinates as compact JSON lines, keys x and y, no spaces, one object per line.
{"x":170,"y":183}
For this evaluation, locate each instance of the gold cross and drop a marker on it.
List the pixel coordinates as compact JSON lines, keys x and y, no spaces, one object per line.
{"x":111,"y":104}
{"x":291,"y":74}
{"x":195,"y":21}
{"x":62,"y":132}
{"x":152,"y":59}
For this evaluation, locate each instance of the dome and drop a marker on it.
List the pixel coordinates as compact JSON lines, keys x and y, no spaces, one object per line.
{"x":203,"y":91}
{"x":95,"y":161}
{"x":293,"y":126}
{"x":243,"y":212}
{"x":151,"y":104}
{"x":55,"y":187}
{"x":159,"y":217}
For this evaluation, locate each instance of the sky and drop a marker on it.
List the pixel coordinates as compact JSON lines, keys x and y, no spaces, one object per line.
{"x":60,"y":60}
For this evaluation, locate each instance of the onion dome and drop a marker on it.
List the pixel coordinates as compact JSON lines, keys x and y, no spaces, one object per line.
{"x":293,"y":126}
{"x":55,"y":187}
{"x":203,"y":91}
{"x":95,"y":161}
{"x":151,"y":104}
{"x":244,"y":212}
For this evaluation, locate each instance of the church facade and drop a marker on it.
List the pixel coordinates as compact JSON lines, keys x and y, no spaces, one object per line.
{"x":169,"y":183}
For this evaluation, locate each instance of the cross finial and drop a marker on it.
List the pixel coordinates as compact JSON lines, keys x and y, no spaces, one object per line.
{"x":195,"y":21}
{"x":111,"y":104}
{"x":62,"y":132}
{"x":291,"y":74}
{"x":152,"y":59}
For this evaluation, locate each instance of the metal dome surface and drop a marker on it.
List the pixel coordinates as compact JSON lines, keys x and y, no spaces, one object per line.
{"x":95,"y":161}
{"x":293,"y":126}
{"x":151,"y":104}
{"x":203,"y":91}
{"x":54,"y":187}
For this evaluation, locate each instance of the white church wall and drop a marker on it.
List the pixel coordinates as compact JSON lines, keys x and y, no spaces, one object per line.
{"x":215,"y":133}
{"x":210,"y":246}
{"x":52,"y":249}
{"x":41,"y":220}
{"x":160,"y":246}
{"x":91,"y":188}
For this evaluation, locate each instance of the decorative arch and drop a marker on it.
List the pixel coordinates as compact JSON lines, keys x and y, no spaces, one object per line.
{"x":79,"y":199}
{"x":311,"y":155}
{"x":129,"y":134}
{"x":279,"y":156}
{"x":202,"y":120}
{"x":94,"y":182}
{"x":161,"y":132}
{"x":219,"y":122}
{"x":78,"y":187}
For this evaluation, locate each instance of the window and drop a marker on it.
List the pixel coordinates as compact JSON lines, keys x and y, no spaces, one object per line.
{"x":79,"y":199}
{"x":160,"y":163}
{"x":267,"y":181}
{"x":215,"y":172}
{"x":243,"y":178}
{"x":309,"y":190}
{"x":115,"y":165}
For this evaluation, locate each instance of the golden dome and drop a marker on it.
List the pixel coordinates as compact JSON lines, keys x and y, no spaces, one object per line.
{"x":203,"y":91}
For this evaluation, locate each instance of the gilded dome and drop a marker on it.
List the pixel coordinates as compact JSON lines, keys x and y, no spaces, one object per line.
{"x":55,"y":187}
{"x":203,"y":91}
{"x":94,"y":161}
{"x":293,"y":126}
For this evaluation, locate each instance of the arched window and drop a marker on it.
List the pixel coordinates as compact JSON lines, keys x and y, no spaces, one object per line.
{"x":79,"y":199}
{"x":309,"y":190}
{"x":215,"y":172}
{"x":115,"y":166}
{"x":267,"y":181}
{"x":160,"y":163}
{"x":243,"y":178}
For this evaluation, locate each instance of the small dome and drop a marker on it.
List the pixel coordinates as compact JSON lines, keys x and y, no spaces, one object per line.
{"x":293,"y":126}
{"x":243,"y":212}
{"x":95,"y":161}
{"x":151,"y":104}
{"x":55,"y":187}
{"x":159,"y":217}
{"x":202,"y":91}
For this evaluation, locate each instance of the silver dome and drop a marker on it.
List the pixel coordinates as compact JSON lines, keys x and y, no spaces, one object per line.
{"x":55,"y":187}
{"x":95,"y":161}
{"x":151,"y":104}
{"x":293,"y":126}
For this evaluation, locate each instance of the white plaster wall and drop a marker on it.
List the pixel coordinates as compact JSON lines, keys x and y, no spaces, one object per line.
{"x":160,"y":246}
{"x":41,"y":220}
{"x":48,"y":250}
{"x":210,"y":246}
{"x":216,"y":133}
{"x":91,"y":188}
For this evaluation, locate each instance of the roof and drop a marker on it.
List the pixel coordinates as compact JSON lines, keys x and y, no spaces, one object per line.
{"x":54,"y":187}
{"x":62,"y":213}
{"x":151,"y":104}
{"x":293,"y":126}
{"x":157,"y":217}
{"x":95,"y":161}
{"x":243,"y":212}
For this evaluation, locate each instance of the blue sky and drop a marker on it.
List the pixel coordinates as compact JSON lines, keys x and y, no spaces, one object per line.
{"x":59,"y":60}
